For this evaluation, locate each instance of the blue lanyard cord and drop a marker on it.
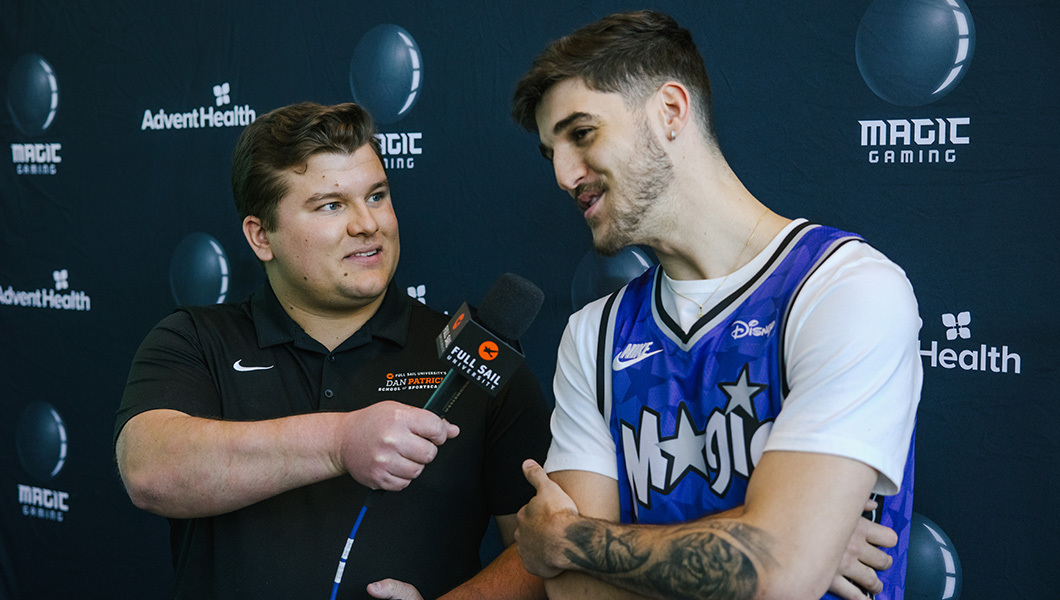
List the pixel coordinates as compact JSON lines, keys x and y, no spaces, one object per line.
{"x":349,"y":544}
{"x":452,"y":384}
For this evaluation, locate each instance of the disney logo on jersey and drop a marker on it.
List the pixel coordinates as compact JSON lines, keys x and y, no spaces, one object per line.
{"x":632,"y":354}
{"x":742,"y":329}
{"x":728,"y":444}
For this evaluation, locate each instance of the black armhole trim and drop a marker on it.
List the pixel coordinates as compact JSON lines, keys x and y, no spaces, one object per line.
{"x":785,"y":387}
{"x":601,"y":352}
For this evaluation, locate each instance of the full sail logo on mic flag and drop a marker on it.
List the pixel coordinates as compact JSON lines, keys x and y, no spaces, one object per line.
{"x":488,"y":350}
{"x":471,"y":349}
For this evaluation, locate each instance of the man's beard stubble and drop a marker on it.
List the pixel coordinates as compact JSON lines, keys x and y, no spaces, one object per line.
{"x":649,"y":173}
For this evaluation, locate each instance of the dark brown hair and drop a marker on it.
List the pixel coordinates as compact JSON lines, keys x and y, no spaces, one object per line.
{"x":628,"y":53}
{"x":285,"y":138}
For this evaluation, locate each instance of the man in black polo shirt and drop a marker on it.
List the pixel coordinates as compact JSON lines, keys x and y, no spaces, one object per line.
{"x":259,"y":428}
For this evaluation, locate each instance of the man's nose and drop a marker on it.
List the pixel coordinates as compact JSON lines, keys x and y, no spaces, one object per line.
{"x":570,"y":169}
{"x":362,"y":221}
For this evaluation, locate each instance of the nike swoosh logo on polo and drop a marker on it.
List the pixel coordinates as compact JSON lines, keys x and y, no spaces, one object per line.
{"x":632,"y":354}
{"x":238,"y":365}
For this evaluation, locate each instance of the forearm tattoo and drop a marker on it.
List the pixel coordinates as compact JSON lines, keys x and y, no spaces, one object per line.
{"x":598,"y":549}
{"x":715,"y":561}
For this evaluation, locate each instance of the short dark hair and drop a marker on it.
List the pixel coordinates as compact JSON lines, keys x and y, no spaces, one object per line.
{"x":629,"y":53}
{"x":285,"y":138}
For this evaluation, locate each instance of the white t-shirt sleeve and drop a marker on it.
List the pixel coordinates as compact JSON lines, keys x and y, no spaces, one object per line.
{"x":853,"y":368}
{"x":581,"y":439}
{"x":853,"y":365}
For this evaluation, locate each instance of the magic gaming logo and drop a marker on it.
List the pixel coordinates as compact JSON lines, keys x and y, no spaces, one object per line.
{"x":41,"y":445}
{"x":912,"y":53}
{"x":386,"y":78}
{"x":957,"y":353}
{"x":32,"y":102}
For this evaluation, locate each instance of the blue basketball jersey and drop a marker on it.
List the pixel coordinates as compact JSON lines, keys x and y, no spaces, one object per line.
{"x":690,"y":411}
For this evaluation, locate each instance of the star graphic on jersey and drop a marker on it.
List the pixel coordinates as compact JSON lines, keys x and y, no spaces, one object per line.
{"x":685,"y":448}
{"x":643,"y":383}
{"x":740,"y":393}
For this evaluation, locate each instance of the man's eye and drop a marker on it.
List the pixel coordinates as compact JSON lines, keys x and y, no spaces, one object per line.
{"x":375,"y":198}
{"x":330,"y":206}
{"x":580,"y":134}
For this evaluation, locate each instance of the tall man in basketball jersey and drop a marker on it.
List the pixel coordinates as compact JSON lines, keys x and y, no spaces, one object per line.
{"x":720,"y":421}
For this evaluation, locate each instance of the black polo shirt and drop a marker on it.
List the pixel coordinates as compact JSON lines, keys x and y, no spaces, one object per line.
{"x":251,"y":362}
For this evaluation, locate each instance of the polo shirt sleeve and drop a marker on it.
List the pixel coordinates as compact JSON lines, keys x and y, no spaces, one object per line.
{"x":169,"y":372}
{"x":517,"y":430}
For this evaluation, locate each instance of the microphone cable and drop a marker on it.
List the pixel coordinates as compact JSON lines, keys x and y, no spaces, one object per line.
{"x":349,"y":543}
{"x":450,"y":380}
{"x":507,"y":309}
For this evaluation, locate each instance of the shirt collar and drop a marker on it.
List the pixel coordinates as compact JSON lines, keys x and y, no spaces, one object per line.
{"x":274,"y":326}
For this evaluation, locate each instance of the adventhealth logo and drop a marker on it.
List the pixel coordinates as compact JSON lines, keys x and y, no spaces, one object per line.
{"x":204,"y":116}
{"x":419,"y":292}
{"x":984,"y":358}
{"x":958,"y":325}
{"x":48,"y":298}
{"x":221,"y":92}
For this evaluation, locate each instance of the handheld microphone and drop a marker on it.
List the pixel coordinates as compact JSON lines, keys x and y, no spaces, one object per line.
{"x":480,"y":346}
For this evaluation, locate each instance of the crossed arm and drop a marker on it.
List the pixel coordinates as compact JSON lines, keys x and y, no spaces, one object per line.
{"x":798,"y":534}
{"x":504,"y":578}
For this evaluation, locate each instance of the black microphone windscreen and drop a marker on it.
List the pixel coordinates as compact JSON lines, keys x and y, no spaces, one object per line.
{"x":510,"y":306}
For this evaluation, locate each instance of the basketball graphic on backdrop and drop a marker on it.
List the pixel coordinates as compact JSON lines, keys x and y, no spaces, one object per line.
{"x":386,"y":73}
{"x":198,"y":271}
{"x":914,"y":52}
{"x":597,"y":275}
{"x":933,"y":569}
{"x":32,"y":94}
{"x":41,"y":441}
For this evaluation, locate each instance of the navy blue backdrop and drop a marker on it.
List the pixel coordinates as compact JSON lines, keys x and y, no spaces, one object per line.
{"x":928,"y":126}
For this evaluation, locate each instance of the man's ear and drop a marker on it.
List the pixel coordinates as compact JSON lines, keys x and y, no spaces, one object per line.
{"x":257,"y":237}
{"x":673,"y":104}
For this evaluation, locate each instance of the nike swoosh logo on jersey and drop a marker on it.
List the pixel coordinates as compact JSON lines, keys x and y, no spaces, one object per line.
{"x":238,"y":365}
{"x":631,"y":355}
